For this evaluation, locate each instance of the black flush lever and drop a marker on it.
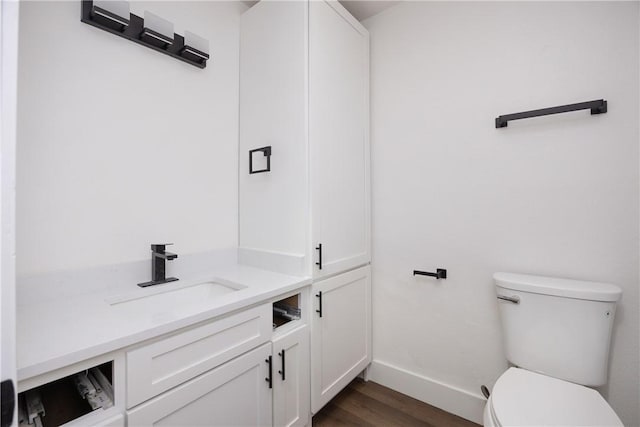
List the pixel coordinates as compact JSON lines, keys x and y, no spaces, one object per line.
{"x":440,"y":273}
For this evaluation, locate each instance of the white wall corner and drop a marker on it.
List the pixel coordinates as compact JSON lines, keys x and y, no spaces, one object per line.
{"x":280,"y":262}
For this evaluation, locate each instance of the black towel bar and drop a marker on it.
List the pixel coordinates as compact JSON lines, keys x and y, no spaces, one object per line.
{"x":598,"y":106}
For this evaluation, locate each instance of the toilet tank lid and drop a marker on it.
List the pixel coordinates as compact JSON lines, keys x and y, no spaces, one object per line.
{"x":568,"y":288}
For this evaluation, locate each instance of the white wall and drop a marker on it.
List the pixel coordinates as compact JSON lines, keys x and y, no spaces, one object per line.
{"x":9,"y":22}
{"x":120,"y":146}
{"x":554,"y":196}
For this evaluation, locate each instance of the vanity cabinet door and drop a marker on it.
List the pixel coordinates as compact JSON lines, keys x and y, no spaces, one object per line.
{"x":340,"y":333}
{"x":291,"y":399}
{"x":234,"y":394}
{"x":338,"y":138}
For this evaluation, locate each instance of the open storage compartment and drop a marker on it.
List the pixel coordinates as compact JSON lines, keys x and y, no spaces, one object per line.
{"x":68,"y":398}
{"x":286,"y":310}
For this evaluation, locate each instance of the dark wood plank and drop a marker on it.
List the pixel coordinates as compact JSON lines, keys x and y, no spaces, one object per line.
{"x":334,"y":416}
{"x":370,"y":404}
{"x":376,"y":412}
{"x":417,"y":409}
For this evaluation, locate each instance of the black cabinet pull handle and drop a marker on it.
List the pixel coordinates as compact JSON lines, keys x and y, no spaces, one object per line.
{"x":319,"y":295}
{"x":440,"y":273}
{"x":281,"y":354}
{"x":319,"y":249}
{"x":269,"y":379}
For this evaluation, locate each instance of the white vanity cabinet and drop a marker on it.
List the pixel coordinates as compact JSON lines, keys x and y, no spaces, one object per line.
{"x":247,"y":368}
{"x":341,"y":333}
{"x":233,"y":394}
{"x":304,"y":85}
{"x":211,"y":374}
{"x":169,"y":361}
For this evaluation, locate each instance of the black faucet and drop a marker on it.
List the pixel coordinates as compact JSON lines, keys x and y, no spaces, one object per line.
{"x":158,"y":258}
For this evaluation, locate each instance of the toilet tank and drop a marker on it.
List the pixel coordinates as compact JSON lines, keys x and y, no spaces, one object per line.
{"x":557,"y":327}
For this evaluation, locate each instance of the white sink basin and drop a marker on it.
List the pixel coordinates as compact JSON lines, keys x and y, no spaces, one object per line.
{"x":174,"y":295}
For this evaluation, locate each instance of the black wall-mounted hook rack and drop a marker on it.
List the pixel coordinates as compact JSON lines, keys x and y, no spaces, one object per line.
{"x":440,"y":273}
{"x":598,"y":106}
{"x":133,"y":29}
{"x":267,"y":153}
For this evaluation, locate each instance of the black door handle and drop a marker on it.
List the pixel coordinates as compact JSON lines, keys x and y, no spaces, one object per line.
{"x":281,"y":354}
{"x":319,"y":295}
{"x":319,"y":249}
{"x":269,"y":379}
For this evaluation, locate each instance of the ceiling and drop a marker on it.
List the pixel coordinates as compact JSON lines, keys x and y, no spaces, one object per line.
{"x":360,"y":9}
{"x":363,"y":9}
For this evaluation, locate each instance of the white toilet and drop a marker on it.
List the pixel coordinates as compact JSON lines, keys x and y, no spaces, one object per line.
{"x":557,"y":332}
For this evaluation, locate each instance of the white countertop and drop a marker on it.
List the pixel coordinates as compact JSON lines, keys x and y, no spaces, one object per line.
{"x":57,"y":332}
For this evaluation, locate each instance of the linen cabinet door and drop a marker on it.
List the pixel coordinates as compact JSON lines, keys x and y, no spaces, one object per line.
{"x":338,"y":139}
{"x":291,"y":386}
{"x":233,"y":394}
{"x":340,"y":333}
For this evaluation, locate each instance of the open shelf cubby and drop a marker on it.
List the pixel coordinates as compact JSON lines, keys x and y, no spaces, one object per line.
{"x":286,"y":310}
{"x":67,"y":399}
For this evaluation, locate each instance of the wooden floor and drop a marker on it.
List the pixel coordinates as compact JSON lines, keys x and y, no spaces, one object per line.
{"x":370,"y":404}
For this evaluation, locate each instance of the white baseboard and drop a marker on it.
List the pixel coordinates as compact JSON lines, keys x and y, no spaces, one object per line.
{"x":446,"y":397}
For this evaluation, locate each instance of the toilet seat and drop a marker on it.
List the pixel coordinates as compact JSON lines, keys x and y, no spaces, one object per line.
{"x":525,"y":398}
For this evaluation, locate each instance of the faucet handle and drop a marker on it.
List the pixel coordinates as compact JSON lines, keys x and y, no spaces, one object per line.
{"x":159,"y":247}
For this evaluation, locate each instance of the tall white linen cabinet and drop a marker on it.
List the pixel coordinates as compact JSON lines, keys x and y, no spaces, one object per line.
{"x":304,"y":111}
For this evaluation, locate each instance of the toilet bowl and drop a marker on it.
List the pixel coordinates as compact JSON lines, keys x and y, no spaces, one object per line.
{"x":525,"y":398}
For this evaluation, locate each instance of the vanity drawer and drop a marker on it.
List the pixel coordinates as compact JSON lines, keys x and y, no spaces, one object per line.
{"x":166,"y":363}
